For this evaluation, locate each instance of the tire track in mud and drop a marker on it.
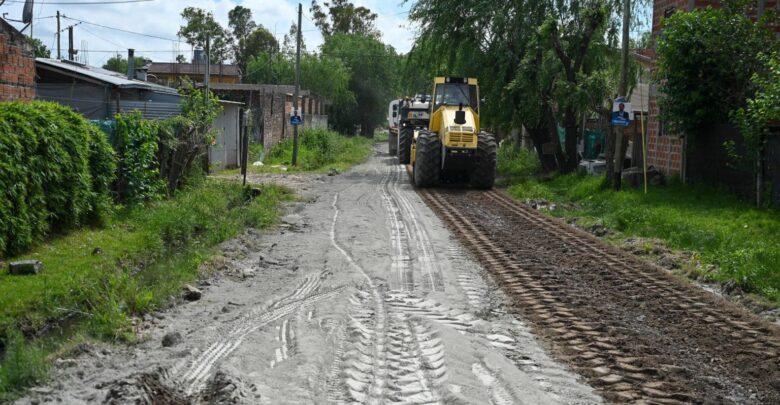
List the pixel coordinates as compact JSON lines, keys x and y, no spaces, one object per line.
{"x":406,"y":232}
{"x":627,"y":364}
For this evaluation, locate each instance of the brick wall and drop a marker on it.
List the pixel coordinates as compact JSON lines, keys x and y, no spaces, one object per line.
{"x":665,"y":150}
{"x":17,"y":65}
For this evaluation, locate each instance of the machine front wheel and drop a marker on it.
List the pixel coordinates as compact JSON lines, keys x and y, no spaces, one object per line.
{"x":484,"y":174}
{"x":427,"y":164}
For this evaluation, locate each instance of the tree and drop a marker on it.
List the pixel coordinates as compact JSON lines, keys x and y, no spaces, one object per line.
{"x":705,"y":62}
{"x":118,"y":63}
{"x":260,"y":41}
{"x":200,"y":24}
{"x":41,"y":51}
{"x":241,"y":24}
{"x":372,"y":81}
{"x":341,"y":16}
{"x":289,"y":43}
{"x":761,"y":110}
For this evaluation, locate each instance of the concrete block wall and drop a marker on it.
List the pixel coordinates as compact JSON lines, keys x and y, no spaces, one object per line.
{"x":17,"y":65}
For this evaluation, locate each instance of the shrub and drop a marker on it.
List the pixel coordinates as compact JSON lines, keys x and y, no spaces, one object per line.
{"x":138,"y":177}
{"x":319,"y":148}
{"x":55,"y":171}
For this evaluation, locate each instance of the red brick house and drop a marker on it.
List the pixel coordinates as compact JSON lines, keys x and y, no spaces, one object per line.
{"x":665,"y":150}
{"x":17,"y":65}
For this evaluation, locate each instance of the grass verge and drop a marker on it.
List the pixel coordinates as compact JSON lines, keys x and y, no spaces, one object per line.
{"x":319,"y":150}
{"x":741,"y":241}
{"x":96,"y":280}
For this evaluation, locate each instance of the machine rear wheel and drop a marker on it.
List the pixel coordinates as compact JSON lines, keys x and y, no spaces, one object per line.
{"x":427,"y":164}
{"x":484,"y":174}
{"x":405,"y":135}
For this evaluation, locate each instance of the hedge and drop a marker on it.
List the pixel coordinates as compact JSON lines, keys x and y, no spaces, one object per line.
{"x":56,"y":171}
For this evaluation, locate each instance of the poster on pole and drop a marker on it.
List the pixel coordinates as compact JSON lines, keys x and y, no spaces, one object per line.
{"x":296,"y":118}
{"x":621,"y":112}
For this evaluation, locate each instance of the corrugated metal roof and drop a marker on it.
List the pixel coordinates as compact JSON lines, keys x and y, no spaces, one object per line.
{"x":149,"y":110}
{"x":102,"y":75}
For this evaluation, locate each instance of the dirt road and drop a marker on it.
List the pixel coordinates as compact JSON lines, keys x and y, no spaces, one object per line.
{"x":361,"y":296}
{"x":371,"y":292}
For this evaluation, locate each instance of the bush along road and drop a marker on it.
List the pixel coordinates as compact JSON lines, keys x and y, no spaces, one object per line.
{"x":372,"y":291}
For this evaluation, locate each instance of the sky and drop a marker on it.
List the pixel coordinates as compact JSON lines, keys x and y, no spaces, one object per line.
{"x":161,"y":18}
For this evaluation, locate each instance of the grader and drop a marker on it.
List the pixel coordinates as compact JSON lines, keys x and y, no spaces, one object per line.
{"x":452,"y":147}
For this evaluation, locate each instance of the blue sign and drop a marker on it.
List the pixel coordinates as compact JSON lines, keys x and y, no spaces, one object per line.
{"x":296,"y":120}
{"x":621,"y":112}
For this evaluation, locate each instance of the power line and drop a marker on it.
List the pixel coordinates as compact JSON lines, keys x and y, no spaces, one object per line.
{"x":120,"y":29}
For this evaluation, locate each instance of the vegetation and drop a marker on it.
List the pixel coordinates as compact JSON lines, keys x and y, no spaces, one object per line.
{"x":343,"y":17}
{"x":118,"y":63}
{"x":722,"y":230}
{"x":40,"y":50}
{"x":541,"y":64}
{"x":55,"y":173}
{"x":99,"y":279}
{"x":138,"y":171}
{"x":702,"y":88}
{"x":199,"y":25}
{"x":320,"y":149}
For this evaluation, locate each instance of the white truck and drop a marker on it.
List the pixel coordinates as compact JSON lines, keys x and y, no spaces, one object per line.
{"x":403,"y":117}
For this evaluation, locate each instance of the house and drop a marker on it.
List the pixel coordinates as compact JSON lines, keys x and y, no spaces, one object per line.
{"x":271,"y":106}
{"x":99,"y":94}
{"x":667,"y":151}
{"x":170,"y":74}
{"x":17,"y":65}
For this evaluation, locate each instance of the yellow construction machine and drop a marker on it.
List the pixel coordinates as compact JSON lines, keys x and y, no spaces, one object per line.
{"x":453,"y":147}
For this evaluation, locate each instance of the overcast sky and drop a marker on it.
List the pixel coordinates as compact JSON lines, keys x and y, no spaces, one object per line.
{"x":162,"y":18}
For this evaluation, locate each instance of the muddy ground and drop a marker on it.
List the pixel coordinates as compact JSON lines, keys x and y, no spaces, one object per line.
{"x":361,"y":295}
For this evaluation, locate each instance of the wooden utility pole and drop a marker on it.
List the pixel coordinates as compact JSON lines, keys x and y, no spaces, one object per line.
{"x":59,"y":47}
{"x":297,"y":85}
{"x":622,"y":90}
{"x":207,"y":72}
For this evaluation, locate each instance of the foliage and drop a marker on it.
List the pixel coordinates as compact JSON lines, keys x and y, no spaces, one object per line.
{"x":373,"y":74}
{"x":148,"y":253}
{"x":23,"y":365}
{"x":118,"y":63}
{"x":200,"y":24}
{"x":184,"y":139}
{"x":249,"y":38}
{"x":763,"y":107}
{"x":41,"y":51}
{"x":55,"y":168}
{"x":321,"y":149}
{"x":138,"y":174}
{"x":341,"y":16}
{"x":719,"y":228}
{"x":525,"y":54}
{"x":705,"y":61}
{"x":325,"y":76}
{"x":515,"y":162}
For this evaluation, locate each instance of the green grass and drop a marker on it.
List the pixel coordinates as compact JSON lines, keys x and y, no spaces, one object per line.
{"x":742,"y":241}
{"x":146,"y":255}
{"x":319,"y":150}
{"x":381,"y":136}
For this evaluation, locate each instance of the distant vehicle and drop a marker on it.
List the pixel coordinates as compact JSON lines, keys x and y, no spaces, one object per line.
{"x":412,"y":113}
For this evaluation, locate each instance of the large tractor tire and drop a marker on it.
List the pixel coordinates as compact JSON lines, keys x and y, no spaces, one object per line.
{"x":484,"y":174}
{"x":392,"y":143}
{"x":427,"y":164}
{"x":405,"y":136}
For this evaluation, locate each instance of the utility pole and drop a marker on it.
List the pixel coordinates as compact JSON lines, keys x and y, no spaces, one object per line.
{"x":622,"y":90}
{"x":206,"y":76}
{"x":71,"y":51}
{"x":297,"y":85}
{"x":59,"y":47}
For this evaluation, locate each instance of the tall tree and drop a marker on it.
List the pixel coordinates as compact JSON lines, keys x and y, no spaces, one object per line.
{"x":373,"y":77}
{"x":200,"y":24}
{"x":341,"y":16}
{"x":241,"y":23}
{"x":41,"y":51}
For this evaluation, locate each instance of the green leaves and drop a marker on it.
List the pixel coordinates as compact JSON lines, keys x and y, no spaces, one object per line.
{"x":705,"y":62}
{"x":55,"y":171}
{"x":139,"y":174}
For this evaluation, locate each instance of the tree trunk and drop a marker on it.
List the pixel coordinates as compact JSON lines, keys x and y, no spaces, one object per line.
{"x":539,"y":137}
{"x":570,"y":144}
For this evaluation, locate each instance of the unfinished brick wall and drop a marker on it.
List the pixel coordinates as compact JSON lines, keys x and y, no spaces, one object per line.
{"x":17,"y":65}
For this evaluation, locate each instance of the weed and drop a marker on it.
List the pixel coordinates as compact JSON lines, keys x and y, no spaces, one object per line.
{"x":23,"y":365}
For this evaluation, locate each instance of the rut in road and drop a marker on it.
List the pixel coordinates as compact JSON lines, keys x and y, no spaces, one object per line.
{"x":632,"y":329}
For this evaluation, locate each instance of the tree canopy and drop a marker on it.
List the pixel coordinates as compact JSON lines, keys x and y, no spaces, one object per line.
{"x":118,"y":63}
{"x":199,"y":25}
{"x":343,"y":17}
